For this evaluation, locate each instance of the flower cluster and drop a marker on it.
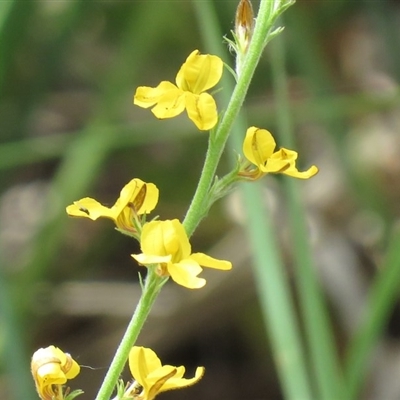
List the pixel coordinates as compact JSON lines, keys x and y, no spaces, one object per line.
{"x":165,"y":244}
{"x":165,"y":247}
{"x":52,"y":368}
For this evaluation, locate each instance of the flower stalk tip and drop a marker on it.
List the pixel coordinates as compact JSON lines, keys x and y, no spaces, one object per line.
{"x":244,"y":25}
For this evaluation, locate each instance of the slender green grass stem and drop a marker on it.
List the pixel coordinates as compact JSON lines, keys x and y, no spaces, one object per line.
{"x":321,"y":344}
{"x":151,"y":290}
{"x":17,"y":365}
{"x":383,"y":294}
{"x":275,"y":298}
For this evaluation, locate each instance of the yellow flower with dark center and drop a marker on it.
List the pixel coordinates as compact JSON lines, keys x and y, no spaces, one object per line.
{"x":136,"y":198}
{"x":51,"y":368}
{"x":258,"y":148}
{"x":165,"y":243}
{"x":153,"y":377}
{"x":198,"y":74}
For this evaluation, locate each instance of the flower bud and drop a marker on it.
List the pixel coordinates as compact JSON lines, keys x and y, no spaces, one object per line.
{"x":244,"y":25}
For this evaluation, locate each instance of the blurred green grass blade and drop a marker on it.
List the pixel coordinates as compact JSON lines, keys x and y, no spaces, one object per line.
{"x":307,"y":52}
{"x":319,"y":332}
{"x":82,"y":162}
{"x":275,"y":298}
{"x":38,"y":149}
{"x":5,"y":7}
{"x":384,"y":15}
{"x":13,"y":353}
{"x":30,"y":150}
{"x":382,"y":297}
{"x":13,"y":17}
{"x":272,"y":283}
{"x":385,"y":289}
{"x":27,"y":93}
{"x":85,"y":157}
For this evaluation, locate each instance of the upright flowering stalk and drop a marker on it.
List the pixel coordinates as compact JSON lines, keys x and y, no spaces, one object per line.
{"x":258,"y":148}
{"x":137,"y":198}
{"x":166,"y":245}
{"x":198,"y":74}
{"x":51,"y":368}
{"x":152,"y":378}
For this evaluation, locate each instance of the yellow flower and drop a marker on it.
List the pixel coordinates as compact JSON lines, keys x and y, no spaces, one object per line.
{"x":258,"y":148}
{"x":153,"y":377}
{"x":51,"y":368}
{"x":198,"y":74}
{"x":136,"y":198}
{"x":166,"y":244}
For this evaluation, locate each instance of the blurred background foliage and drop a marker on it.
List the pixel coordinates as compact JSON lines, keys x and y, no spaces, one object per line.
{"x":68,"y":129}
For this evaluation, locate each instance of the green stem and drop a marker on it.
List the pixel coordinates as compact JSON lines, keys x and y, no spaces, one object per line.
{"x":151,"y":290}
{"x":217,"y":140}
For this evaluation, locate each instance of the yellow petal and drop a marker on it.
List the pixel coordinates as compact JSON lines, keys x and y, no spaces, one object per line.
{"x":206,"y":261}
{"x":170,"y":104}
{"x":147,"y":370}
{"x":72,"y":368}
{"x":142,"y":361}
{"x":177,"y":382}
{"x":163,"y":238}
{"x":303,"y":174}
{"x":284,"y":161}
{"x":199,"y":73}
{"x":185,"y":274}
{"x":89,"y":208}
{"x":141,"y":195}
{"x":276,"y":166}
{"x":145,"y":259}
{"x":258,"y":145}
{"x":50,"y":373}
{"x":180,"y":371}
{"x":151,"y":199}
{"x":202,"y":110}
{"x":147,"y":96}
{"x":158,"y":379}
{"x":136,"y":198}
{"x":128,"y":195}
